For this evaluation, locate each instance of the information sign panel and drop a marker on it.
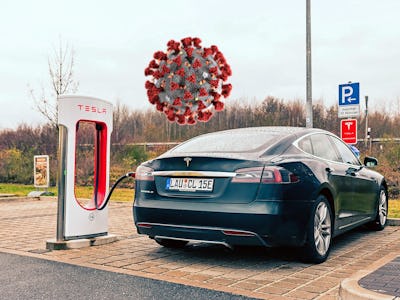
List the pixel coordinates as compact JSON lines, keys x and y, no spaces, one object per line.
{"x":348,"y":131}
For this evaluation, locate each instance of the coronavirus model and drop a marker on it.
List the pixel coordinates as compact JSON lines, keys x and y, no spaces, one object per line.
{"x":188,"y":81}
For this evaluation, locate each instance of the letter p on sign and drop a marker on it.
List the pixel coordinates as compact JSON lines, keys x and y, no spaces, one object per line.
{"x":347,"y":91}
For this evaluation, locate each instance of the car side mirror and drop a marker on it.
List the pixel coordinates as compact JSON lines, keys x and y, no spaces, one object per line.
{"x":370,"y":161}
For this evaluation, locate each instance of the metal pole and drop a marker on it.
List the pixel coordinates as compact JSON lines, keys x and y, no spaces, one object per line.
{"x":309,"y":112}
{"x":366,"y":121}
{"x":62,"y":156}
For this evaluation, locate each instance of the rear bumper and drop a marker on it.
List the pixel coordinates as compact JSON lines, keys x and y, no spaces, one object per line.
{"x":200,"y":234}
{"x":261,"y":223}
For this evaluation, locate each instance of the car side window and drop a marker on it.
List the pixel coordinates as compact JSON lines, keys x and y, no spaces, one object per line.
{"x":305,"y":145}
{"x":347,"y":156}
{"x":323,"y":147}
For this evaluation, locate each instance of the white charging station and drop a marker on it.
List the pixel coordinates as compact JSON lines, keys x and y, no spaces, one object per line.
{"x":77,"y":220}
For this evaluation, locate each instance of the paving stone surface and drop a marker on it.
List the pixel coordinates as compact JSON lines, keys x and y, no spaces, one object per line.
{"x":254,"y":272}
{"x":385,"y":280}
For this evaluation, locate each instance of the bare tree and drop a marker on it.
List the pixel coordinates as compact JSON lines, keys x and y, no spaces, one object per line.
{"x":61,"y":66}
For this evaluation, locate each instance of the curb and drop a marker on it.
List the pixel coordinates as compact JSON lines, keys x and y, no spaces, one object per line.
{"x":350,"y":289}
{"x":19,"y":198}
{"x":393,"y":222}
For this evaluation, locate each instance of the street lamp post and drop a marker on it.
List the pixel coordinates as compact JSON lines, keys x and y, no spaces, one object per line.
{"x":309,"y":112}
{"x":366,"y":121}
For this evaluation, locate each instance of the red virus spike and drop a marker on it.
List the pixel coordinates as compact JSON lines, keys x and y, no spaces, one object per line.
{"x":170,"y":114}
{"x":228,"y":70}
{"x":214,"y":70}
{"x":160,"y":55}
{"x":173,"y":46}
{"x":214,"y":83}
{"x":196,"y":64}
{"x":226,"y":90}
{"x":186,"y":41}
{"x":214,"y":49}
{"x":188,"y":95}
{"x":173,"y":86}
{"x":215,"y":95}
{"x":201,"y":105}
{"x":196,"y":42}
{"x":149,"y":85}
{"x":206,"y":116}
{"x":181,"y":119}
{"x":191,"y":121}
{"x":187,"y":112}
{"x":218,"y":105}
{"x":189,"y":51}
{"x":223,"y":76}
{"x":177,"y":60}
{"x":148,"y":72}
{"x":160,"y":106}
{"x":165,"y":70}
{"x":207,"y":52}
{"x":177,"y":102}
{"x":180,"y":72}
{"x":191,"y":78}
{"x":157,"y":74}
{"x":154,"y":99}
{"x":153,"y":64}
{"x":203,"y":92}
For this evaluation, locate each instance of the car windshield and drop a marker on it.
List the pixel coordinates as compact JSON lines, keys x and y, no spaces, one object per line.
{"x":229,"y":141}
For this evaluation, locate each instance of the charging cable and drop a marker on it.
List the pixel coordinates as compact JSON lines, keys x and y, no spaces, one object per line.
{"x":127,"y":175}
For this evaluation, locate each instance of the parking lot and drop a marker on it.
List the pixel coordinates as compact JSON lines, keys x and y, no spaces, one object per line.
{"x":25,"y":225}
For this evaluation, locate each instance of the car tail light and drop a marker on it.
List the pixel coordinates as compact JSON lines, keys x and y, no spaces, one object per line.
{"x":266,"y":175}
{"x":271,"y":175}
{"x":144,"y":225}
{"x":144,"y":173}
{"x":248,"y":175}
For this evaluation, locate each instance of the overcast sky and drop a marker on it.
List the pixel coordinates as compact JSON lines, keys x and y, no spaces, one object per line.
{"x":262,"y":40}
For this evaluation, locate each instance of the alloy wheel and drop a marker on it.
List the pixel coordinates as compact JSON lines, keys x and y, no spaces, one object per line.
{"x":322,"y":228}
{"x":382,"y":208}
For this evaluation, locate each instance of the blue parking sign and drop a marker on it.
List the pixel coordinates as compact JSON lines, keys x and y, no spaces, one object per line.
{"x":349,"y":94}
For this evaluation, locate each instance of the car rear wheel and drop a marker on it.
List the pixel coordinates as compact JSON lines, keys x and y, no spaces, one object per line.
{"x":381,"y":211}
{"x":170,"y":243}
{"x":319,"y":232}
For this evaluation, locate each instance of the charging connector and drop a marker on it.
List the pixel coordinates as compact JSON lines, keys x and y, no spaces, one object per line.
{"x":127,"y":175}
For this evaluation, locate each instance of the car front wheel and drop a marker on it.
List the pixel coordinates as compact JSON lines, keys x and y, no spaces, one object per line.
{"x":319,"y":232}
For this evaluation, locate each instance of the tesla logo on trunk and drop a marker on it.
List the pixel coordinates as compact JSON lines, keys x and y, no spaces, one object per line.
{"x":187,"y":160}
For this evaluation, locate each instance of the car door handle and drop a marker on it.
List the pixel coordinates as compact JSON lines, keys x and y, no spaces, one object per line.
{"x":329,"y":170}
{"x":351,"y":172}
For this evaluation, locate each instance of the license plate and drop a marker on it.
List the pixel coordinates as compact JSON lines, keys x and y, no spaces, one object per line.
{"x":190,"y":184}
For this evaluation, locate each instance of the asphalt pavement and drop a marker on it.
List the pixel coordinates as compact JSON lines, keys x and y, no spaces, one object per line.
{"x":32,"y":278}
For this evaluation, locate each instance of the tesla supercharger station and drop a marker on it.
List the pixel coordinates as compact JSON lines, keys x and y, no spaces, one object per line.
{"x":78,"y":219}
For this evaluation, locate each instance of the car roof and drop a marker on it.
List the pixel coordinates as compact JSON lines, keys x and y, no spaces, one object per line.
{"x":226,"y":143}
{"x":286,"y":130}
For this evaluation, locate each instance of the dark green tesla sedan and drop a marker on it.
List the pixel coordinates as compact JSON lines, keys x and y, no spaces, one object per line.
{"x":269,"y":186}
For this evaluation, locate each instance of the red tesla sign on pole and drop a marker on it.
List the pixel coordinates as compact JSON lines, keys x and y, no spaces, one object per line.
{"x":348,"y":131}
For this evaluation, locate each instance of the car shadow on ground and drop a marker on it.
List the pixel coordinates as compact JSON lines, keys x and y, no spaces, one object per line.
{"x":253,"y":255}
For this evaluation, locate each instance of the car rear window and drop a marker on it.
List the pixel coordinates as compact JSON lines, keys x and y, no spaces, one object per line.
{"x":248,"y":141}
